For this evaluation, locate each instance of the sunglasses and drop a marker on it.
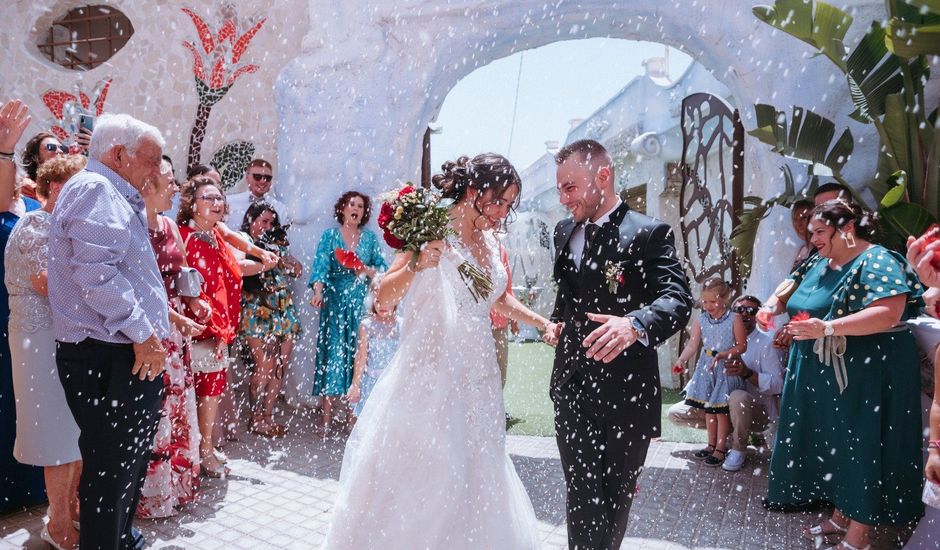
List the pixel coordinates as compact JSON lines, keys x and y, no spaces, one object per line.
{"x":262,"y":177}
{"x":745,"y":310}
{"x":52,"y":147}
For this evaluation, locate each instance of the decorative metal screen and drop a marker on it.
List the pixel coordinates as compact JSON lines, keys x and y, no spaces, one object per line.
{"x":86,"y":37}
{"x":712,"y":190}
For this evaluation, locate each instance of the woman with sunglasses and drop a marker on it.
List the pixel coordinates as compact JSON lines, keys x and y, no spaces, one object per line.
{"x":340,"y":292}
{"x":20,"y":485}
{"x":207,"y":240}
{"x":40,"y":148}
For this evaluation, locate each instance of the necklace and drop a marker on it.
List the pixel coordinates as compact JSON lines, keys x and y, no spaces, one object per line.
{"x":205,"y":235}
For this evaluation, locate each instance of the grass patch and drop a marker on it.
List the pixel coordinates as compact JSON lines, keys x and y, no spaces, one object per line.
{"x":526,"y":395}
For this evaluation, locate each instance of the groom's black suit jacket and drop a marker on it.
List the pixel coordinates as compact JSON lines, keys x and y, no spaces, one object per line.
{"x":655,"y":292}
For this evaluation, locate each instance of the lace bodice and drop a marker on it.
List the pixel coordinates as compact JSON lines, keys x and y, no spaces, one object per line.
{"x":27,"y":254}
{"x":458,"y":253}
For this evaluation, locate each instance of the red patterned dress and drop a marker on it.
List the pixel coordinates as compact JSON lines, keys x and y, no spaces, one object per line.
{"x":173,"y":472}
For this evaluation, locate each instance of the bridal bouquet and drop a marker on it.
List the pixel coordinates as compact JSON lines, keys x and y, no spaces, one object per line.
{"x":412,"y":216}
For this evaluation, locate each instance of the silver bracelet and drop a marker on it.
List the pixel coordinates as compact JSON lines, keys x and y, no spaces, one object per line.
{"x":7,"y":156}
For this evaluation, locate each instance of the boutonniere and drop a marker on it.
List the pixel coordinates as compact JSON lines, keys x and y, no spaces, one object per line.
{"x":613,"y":272}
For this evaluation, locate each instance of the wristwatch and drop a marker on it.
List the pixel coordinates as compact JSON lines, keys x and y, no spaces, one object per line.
{"x":828,"y":329}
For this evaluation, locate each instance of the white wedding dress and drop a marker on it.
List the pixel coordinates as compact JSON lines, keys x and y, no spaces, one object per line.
{"x":426,"y":465}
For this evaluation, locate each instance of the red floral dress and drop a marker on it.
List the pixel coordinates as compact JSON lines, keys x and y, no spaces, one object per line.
{"x":173,"y":472}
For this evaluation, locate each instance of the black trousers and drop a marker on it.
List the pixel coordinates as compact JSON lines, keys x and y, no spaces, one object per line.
{"x":601,"y":461}
{"x":117,"y":414}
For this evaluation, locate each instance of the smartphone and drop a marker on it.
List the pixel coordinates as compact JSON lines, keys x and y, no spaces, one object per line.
{"x":87,"y":122}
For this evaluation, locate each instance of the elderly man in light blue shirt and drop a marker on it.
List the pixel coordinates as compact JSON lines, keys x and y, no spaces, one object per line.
{"x":110,"y":314}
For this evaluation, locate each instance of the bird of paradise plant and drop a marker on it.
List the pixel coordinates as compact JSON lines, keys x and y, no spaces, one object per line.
{"x":216,"y":64}
{"x":886,"y":75}
{"x":66,"y":107}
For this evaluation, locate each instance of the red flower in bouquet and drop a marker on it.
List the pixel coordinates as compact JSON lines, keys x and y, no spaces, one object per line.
{"x":801,"y":316}
{"x":678,"y":370}
{"x":348,"y":259}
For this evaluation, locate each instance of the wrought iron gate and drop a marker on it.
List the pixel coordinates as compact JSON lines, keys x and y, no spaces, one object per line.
{"x":712,"y":191}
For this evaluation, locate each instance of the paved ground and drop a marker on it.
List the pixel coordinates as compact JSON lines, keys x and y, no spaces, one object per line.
{"x":280,"y":493}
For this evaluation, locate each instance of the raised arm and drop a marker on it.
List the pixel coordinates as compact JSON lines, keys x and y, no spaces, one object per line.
{"x":14,"y":118}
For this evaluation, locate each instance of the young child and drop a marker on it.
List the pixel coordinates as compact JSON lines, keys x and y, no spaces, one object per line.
{"x":378,"y":341}
{"x":722,"y":335}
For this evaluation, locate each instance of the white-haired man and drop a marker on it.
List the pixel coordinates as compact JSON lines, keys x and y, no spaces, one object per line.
{"x":110,"y":314}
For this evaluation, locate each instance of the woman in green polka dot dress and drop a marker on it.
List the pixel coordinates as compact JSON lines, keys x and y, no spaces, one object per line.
{"x":849,"y":430}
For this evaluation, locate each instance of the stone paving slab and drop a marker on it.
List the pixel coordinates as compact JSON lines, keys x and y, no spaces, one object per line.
{"x":280,"y":493}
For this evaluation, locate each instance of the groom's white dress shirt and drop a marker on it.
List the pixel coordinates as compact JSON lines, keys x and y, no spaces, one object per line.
{"x":576,"y":242}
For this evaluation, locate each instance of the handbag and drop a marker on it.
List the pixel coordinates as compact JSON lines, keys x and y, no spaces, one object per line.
{"x":189,"y":282}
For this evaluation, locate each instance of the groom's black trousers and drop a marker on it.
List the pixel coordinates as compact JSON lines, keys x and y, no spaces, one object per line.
{"x":601,"y":462}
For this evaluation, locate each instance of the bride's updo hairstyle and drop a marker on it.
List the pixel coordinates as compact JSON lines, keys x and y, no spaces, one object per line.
{"x":484,"y":172}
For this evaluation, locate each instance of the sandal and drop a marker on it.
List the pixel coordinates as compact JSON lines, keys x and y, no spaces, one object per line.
{"x":713,"y":460}
{"x":828,"y":531}
{"x":704,"y":453}
{"x":214,"y":473}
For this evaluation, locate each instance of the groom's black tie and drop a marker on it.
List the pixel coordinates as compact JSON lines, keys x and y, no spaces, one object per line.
{"x":590,"y":229}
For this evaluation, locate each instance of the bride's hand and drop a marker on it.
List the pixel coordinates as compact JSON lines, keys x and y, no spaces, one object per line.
{"x":430,"y":255}
{"x":354,"y":394}
{"x":552,"y":333}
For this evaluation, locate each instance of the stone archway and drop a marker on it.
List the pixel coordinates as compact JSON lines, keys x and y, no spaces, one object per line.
{"x":354,"y":105}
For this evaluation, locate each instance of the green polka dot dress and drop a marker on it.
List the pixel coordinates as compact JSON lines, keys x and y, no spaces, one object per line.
{"x":859,"y":448}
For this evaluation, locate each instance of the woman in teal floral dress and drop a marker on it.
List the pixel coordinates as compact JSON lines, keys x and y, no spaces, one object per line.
{"x":849,"y":429}
{"x":339,"y":292}
{"x":269,"y":320}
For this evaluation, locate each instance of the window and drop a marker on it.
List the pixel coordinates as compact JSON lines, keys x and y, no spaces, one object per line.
{"x":86,"y":37}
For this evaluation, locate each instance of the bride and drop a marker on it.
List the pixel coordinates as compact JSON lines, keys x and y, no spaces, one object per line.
{"x":426,"y":465}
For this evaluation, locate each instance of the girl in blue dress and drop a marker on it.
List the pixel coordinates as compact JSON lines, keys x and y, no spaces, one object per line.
{"x":721,"y":335}
{"x":339,"y":292}
{"x":378,"y":341}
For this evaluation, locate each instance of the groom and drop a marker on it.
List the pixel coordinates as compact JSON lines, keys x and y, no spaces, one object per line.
{"x":621,"y":292}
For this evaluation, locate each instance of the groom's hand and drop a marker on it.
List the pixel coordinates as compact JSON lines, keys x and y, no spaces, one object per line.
{"x":609,"y":340}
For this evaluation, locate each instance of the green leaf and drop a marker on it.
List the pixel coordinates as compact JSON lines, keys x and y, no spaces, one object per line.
{"x":809,"y":138}
{"x":231,"y":160}
{"x":907,"y":219}
{"x":872,"y":74}
{"x":911,"y":40}
{"x":923,"y":12}
{"x":897,"y":192}
{"x":819,"y":24}
{"x":897,"y":130}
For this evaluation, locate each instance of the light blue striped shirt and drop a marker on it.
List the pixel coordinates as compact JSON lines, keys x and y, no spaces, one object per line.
{"x":103,"y":277}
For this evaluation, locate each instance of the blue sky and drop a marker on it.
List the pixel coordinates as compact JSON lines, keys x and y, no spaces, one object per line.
{"x":558,"y":82}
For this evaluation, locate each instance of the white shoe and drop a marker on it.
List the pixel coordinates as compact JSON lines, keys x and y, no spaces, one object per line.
{"x":733,"y":461}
